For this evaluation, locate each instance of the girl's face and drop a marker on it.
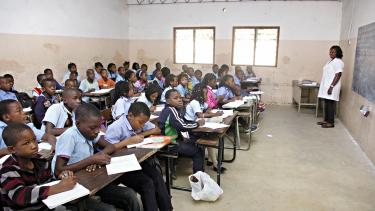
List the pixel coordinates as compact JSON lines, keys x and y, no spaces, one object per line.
{"x":113,"y":68}
{"x":175,"y":100}
{"x":184,"y":81}
{"x":133,"y":78}
{"x":212,"y":83}
{"x":332,"y":53}
{"x":131,"y":91}
{"x":144,"y":77}
{"x":205,"y":94}
{"x":230,"y":82}
{"x":158,"y":75}
{"x":153,"y":96}
{"x":104,"y":74}
{"x":174,"y":83}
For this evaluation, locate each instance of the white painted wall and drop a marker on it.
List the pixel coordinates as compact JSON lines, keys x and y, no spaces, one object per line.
{"x":297,"y":20}
{"x":79,"y":18}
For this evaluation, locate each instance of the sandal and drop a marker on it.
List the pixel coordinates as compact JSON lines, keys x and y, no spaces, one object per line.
{"x":321,"y":123}
{"x":328,"y":125}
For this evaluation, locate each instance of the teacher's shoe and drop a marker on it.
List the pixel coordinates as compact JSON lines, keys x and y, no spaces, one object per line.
{"x":328,"y":125}
{"x":321,"y":123}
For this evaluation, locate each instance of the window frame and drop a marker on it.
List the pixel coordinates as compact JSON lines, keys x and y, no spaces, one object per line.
{"x":194,"y":28}
{"x":255,"y":41}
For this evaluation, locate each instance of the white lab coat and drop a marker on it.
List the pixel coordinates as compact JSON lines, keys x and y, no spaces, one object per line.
{"x":329,"y":71}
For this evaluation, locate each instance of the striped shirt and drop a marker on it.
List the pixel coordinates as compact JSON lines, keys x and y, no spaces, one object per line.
{"x":19,"y":187}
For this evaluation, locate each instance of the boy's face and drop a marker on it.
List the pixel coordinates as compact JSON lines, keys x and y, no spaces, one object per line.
{"x":73,"y":76}
{"x":137,"y":122}
{"x":50,"y":88}
{"x":15,"y":114}
{"x":71,"y":85}
{"x":175,"y":100}
{"x":230,"y":82}
{"x":174,"y":82}
{"x":154,"y":96}
{"x":73,"y":69}
{"x":72,"y":100}
{"x":144,"y":68}
{"x":131,"y":91}
{"x":190,"y":72}
{"x":90,"y":75}
{"x":215,"y":69}
{"x":104,"y":74}
{"x":184,"y":81}
{"x":126,"y":66}
{"x":26,"y":145}
{"x":6,"y":84}
{"x":113,"y":68}
{"x":198,"y":75}
{"x":144,"y":77}
{"x":121,"y":71}
{"x":49,"y":74}
{"x":89,"y":126}
{"x":42,"y":78}
{"x":158,"y":66}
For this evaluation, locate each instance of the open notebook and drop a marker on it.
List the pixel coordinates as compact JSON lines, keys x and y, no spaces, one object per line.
{"x":123,"y":164}
{"x":155,"y":142}
{"x":61,"y":198}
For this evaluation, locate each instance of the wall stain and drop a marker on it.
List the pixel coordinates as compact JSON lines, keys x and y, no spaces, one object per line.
{"x":52,"y":47}
{"x":286,"y":59}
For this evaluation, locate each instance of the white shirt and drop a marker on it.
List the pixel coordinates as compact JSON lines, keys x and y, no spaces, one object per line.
{"x":193,"y":108}
{"x":329,"y":71}
{"x":144,"y":99}
{"x":86,"y":85}
{"x":121,"y":107}
{"x":66,"y":76}
{"x":57,"y":114}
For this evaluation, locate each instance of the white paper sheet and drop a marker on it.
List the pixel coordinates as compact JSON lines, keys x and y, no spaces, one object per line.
{"x":257,"y":93}
{"x":102,"y":91}
{"x":145,"y":141}
{"x":26,"y":110}
{"x":225,"y":114}
{"x":123,"y":164}
{"x":153,"y":117}
{"x":2,"y":159}
{"x":234,"y":104}
{"x":159,"y":107}
{"x":61,"y":198}
{"x":214,"y":125}
{"x":44,"y":145}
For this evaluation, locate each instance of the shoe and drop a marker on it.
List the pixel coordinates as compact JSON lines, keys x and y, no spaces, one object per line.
{"x":223,"y":169}
{"x":328,"y":125}
{"x":173,"y":176}
{"x":209,"y":163}
{"x":321,"y":123}
{"x":254,"y":128}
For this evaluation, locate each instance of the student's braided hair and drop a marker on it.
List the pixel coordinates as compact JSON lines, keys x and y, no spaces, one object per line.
{"x":198,"y":94}
{"x":128,"y":74}
{"x":208,"y":77}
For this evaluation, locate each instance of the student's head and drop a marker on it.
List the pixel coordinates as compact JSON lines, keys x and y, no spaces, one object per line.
{"x":183,"y":79}
{"x":158,"y":66}
{"x":239,"y":72}
{"x":227,"y":81}
{"x":210,"y":80}
{"x":98,"y":66}
{"x":173,"y":98}
{"x":88,"y":119}
{"x":199,"y":93}
{"x":184,"y":68}
{"x":72,"y":67}
{"x":237,"y":69}
{"x":71,"y":98}
{"x":11,"y":111}
{"x":144,"y":67}
{"x":223,"y":72}
{"x":49,"y":86}
{"x":130,"y":76}
{"x":335,"y":52}
{"x":249,"y":69}
{"x":21,"y":140}
{"x":111,"y":67}
{"x":40,"y":78}
{"x":71,"y":84}
{"x":190,"y":71}
{"x":5,"y":84}
{"x":138,"y":115}
{"x":152,"y":92}
{"x":121,"y":71}
{"x":48,"y":73}
{"x":126,"y":65}
{"x":165,"y":71}
{"x":104,"y":73}
{"x":123,"y":89}
{"x":171,"y":80}
{"x":143,"y":75}
{"x":90,"y":75}
{"x":135,"y":66}
{"x":158,"y":74}
{"x":73,"y":75}
{"x":215,"y":68}
{"x":9,"y":78}
{"x":198,"y":74}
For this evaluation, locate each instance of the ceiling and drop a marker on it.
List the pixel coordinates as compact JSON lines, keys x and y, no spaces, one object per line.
{"x":148,"y":2}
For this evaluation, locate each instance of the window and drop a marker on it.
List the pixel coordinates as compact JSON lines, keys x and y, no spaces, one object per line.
{"x":194,"y":45}
{"x":255,"y":46}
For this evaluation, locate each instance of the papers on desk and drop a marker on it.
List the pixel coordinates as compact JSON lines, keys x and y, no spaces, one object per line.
{"x":257,"y":93}
{"x":123,"y":164}
{"x":61,"y":198}
{"x":3,"y":159}
{"x":102,"y":91}
{"x":253,"y":79}
{"x":226,"y":113}
{"x":214,"y":125}
{"x":155,"y":142}
{"x":159,"y":108}
{"x":44,"y":146}
{"x":145,"y":141}
{"x":27,"y":110}
{"x":152,"y":117}
{"x":234,"y":104}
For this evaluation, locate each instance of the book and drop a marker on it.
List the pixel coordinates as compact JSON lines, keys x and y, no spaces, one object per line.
{"x":123,"y":164}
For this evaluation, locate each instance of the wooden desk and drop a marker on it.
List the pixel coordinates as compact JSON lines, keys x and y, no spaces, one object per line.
{"x":94,"y":181}
{"x":300,"y":97}
{"x":101,"y":95}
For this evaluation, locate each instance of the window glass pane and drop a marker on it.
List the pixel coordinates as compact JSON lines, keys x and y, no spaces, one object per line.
{"x":204,"y":46}
{"x":184,"y":45}
{"x":243,"y":49}
{"x":266,"y":47}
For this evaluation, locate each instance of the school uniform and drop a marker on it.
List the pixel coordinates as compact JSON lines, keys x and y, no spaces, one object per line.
{"x":226,"y":92}
{"x":74,"y":147}
{"x":59,"y":116}
{"x":172,"y":123}
{"x":86,"y":86}
{"x":112,"y":75}
{"x":97,"y":76}
{"x":148,"y":182}
{"x":5,"y":95}
{"x":40,"y":107}
{"x":144,"y":99}
{"x":158,"y":82}
{"x":140,"y":86}
{"x":67,"y":75}
{"x":237,"y":80}
{"x":121,"y":107}
{"x":162,"y":98}
{"x":194,"y":81}
{"x":211,"y":98}
{"x":106,"y":84}
{"x":119,"y":78}
{"x":182,"y":90}
{"x":194,"y":107}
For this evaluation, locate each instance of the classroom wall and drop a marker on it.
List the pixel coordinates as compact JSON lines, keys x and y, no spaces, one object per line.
{"x":307,"y":30}
{"x":36,"y":34}
{"x":362,"y":129}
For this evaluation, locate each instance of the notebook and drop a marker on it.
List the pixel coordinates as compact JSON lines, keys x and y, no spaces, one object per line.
{"x":123,"y":164}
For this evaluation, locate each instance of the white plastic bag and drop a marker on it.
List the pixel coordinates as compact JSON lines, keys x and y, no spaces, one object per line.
{"x":203,"y":187}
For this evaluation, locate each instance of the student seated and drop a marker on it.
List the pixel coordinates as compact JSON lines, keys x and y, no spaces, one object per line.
{"x":135,"y":67}
{"x":132,"y":78}
{"x":224,"y":70}
{"x":126,"y":65}
{"x":198,"y":75}
{"x":38,"y":89}
{"x":11,"y":81}
{"x":157,"y":67}
{"x":239,"y":76}
{"x":59,"y":117}
{"x":148,"y":182}
{"x":11,"y":112}
{"x":150,"y":97}
{"x":89,"y":84}
{"x":6,"y":89}
{"x":144,"y":69}
{"x":105,"y":82}
{"x":123,"y":99}
{"x":209,"y":81}
{"x":75,"y":151}
{"x":49,"y":75}
{"x":74,"y":76}
{"x":215,"y":70}
{"x":98,"y":67}
{"x":45,"y":100}
{"x":120,"y":74}
{"x":182,"y":87}
{"x":249,"y":72}
{"x":141,"y":83}
{"x":72,"y":68}
{"x":192,"y":79}
{"x":173,"y":124}
{"x":23,"y":173}
{"x":71,"y":84}
{"x":227,"y":91}
{"x":171,"y":82}
{"x":158,"y":80}
{"x":112,"y":71}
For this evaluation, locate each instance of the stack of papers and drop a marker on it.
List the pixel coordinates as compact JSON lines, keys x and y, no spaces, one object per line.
{"x":102,"y":91}
{"x":123,"y":164}
{"x":214,"y":125}
{"x":61,"y":198}
{"x":234,"y":104}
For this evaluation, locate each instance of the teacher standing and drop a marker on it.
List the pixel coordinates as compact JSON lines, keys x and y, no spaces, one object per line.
{"x":330,"y":85}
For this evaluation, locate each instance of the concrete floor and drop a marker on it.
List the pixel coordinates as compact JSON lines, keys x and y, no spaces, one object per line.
{"x":293,"y":165}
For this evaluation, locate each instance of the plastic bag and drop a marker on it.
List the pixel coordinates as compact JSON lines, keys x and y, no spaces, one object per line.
{"x":203,"y":187}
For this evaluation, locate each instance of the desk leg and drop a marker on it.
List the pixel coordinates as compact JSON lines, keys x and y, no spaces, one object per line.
{"x":220,"y":158}
{"x":168,"y":174}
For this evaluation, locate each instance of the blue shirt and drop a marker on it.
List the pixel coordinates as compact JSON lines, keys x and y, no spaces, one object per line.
{"x":73,"y":146}
{"x":5,"y":95}
{"x":193,"y":108}
{"x":194,"y":81}
{"x":121,"y":129}
{"x":182,"y":90}
{"x":121,"y":107}
{"x":38,"y":133}
{"x":160,"y":83}
{"x":237,"y":81}
{"x":226,"y":92}
{"x":119,"y":78}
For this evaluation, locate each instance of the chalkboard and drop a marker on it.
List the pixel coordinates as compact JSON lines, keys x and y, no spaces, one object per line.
{"x":364,"y":66}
